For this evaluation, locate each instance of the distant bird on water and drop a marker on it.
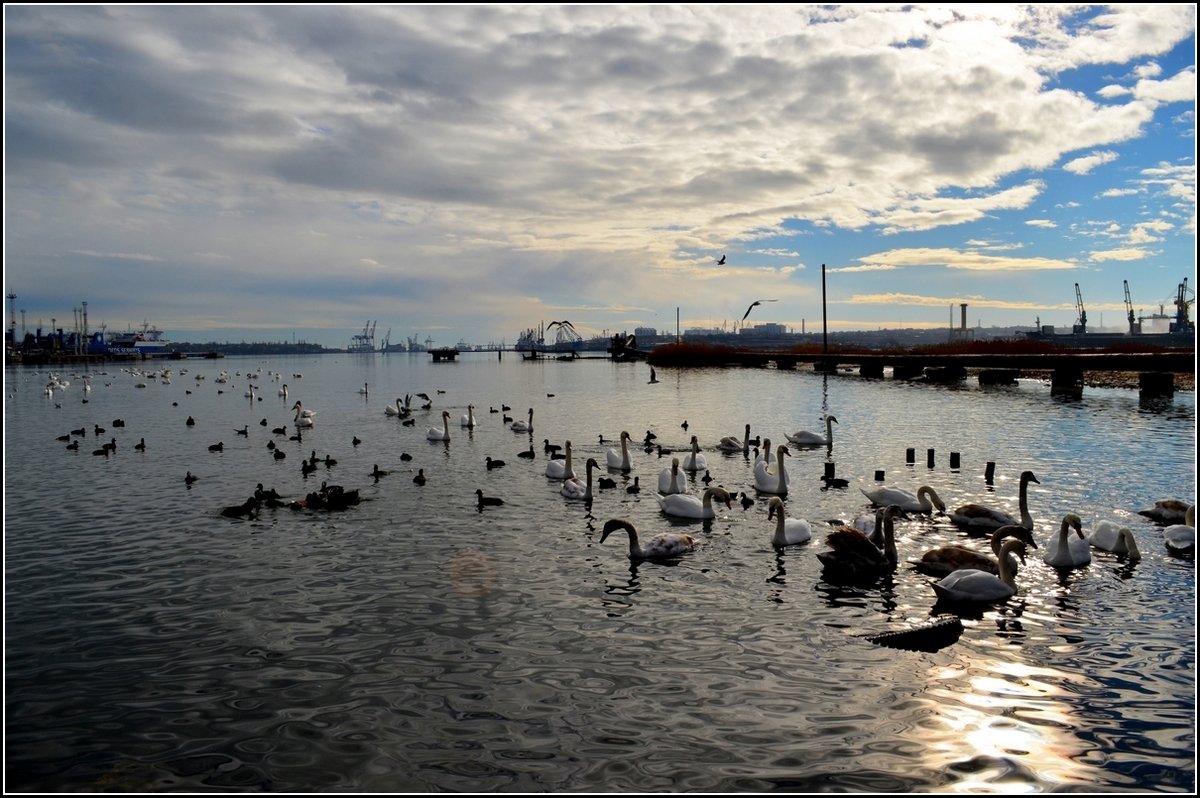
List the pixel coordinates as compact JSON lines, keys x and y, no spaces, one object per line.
{"x":756,"y":302}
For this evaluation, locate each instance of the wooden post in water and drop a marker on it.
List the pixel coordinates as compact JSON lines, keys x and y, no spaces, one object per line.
{"x":929,"y":458}
{"x":989,"y":473}
{"x":879,"y":475}
{"x":910,"y":456}
{"x":954,"y":461}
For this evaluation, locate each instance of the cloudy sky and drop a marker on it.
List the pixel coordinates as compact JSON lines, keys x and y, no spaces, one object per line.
{"x":264,"y":173}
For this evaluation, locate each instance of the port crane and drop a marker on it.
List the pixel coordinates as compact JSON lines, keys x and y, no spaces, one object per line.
{"x":1133,"y":327}
{"x":1080,"y":326}
{"x":1182,"y":322}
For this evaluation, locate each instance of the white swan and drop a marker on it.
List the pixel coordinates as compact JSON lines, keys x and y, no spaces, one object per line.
{"x":393,"y":411}
{"x":561,"y":469}
{"x":574,"y":489}
{"x":672,"y":480}
{"x":303,"y":413}
{"x":969,"y":584}
{"x":806,"y":438}
{"x":363,"y":390}
{"x":730,"y":443}
{"x":685,"y":505}
{"x":980,"y":516}
{"x":1111,"y":536}
{"x":303,"y":418}
{"x":282,"y":391}
{"x":788,"y":531}
{"x":871,"y":526}
{"x":1062,"y":552}
{"x":662,"y":546}
{"x":524,"y":426}
{"x":467,"y":421}
{"x":443,"y":434}
{"x":620,"y":461}
{"x":766,"y":455}
{"x":694,"y":461}
{"x":947,"y":559}
{"x":773,"y":479}
{"x":924,"y":502}
{"x":1182,"y":537}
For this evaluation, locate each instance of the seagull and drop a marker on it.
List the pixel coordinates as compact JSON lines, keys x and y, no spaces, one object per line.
{"x":756,"y":302}
{"x":721,"y":262}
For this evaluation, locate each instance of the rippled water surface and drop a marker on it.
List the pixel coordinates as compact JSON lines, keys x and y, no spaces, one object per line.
{"x":415,"y":643}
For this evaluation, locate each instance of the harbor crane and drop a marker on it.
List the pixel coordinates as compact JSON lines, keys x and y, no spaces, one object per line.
{"x":1081,"y":326}
{"x":1182,"y":321}
{"x":1133,"y":327}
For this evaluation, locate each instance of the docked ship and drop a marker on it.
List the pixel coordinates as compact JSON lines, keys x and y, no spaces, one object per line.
{"x":1157,"y":329}
{"x":144,"y":343}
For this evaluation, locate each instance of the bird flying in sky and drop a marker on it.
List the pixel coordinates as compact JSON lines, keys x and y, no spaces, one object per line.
{"x":756,"y":302}
{"x":721,"y":262}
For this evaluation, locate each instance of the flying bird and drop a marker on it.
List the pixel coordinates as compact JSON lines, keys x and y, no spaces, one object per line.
{"x":721,"y":262}
{"x":756,"y":302}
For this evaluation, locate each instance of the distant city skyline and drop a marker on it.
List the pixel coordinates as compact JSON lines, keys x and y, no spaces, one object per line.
{"x":261,"y":173}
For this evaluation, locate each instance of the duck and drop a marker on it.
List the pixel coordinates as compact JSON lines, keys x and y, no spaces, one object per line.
{"x":685,"y":505}
{"x":620,"y":461}
{"x":140,"y":445}
{"x":853,"y":557}
{"x":947,"y":559}
{"x":443,"y":434}
{"x":979,"y":516}
{"x":1167,"y":511}
{"x":788,"y":531}
{"x":493,"y":463}
{"x":378,"y":472}
{"x":419,"y":479}
{"x":550,"y":448}
{"x":606,"y":483}
{"x":524,"y":426}
{"x":575,"y":489}
{"x":635,"y":487}
{"x":468,"y":420}
{"x":1064,"y":552}
{"x":806,"y":438}
{"x":1181,"y":538}
{"x":708,"y":478}
{"x":561,"y":469}
{"x":924,"y":502}
{"x":665,"y":545}
{"x":694,"y":461}
{"x":217,"y":447}
{"x":528,"y":454}
{"x":190,"y":478}
{"x":772,"y":479}
{"x":747,"y":502}
{"x":244,"y":431}
{"x":730,"y":443}
{"x":1111,"y":536}
{"x":247,"y":509}
{"x":487,"y":501}
{"x":970,"y":584}
{"x":74,"y":445}
{"x":672,"y":480}
{"x":191,"y":422}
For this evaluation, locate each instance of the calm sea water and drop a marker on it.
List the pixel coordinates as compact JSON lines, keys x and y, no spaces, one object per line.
{"x":414,"y":643}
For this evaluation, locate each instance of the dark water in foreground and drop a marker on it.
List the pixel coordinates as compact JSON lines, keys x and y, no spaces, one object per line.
{"x":413,"y":643}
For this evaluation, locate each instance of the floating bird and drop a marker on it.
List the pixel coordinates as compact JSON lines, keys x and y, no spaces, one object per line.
{"x":363,"y":390}
{"x":101,"y":451}
{"x":974,"y":585}
{"x":435,"y":434}
{"x":747,"y":502}
{"x":329,"y":461}
{"x":550,"y":448}
{"x":73,"y":446}
{"x":620,"y":461}
{"x":140,"y":445}
{"x":1113,"y":537}
{"x":806,"y":438}
{"x":420,"y":477}
{"x":605,"y":483}
{"x":469,"y":419}
{"x":405,"y":456}
{"x":756,"y":302}
{"x":561,"y":469}
{"x":1167,"y":511}
{"x":773,"y":479}
{"x":377,"y":472}
{"x":524,"y":426}
{"x":730,"y":443}
{"x":1179,"y":538}
{"x":244,"y":431}
{"x":979,"y":516}
{"x":694,"y":461}
{"x":660,"y":547}
{"x":685,"y":505}
{"x":190,"y":478}
{"x":493,"y":463}
{"x":855,"y":558}
{"x":118,"y":422}
{"x":672,"y":480}
{"x":924,"y":502}
{"x":409,"y":422}
{"x":947,"y":559}
{"x":529,"y":454}
{"x":262,"y":423}
{"x":707,"y":479}
{"x":279,"y":454}
{"x":356,"y":440}
{"x":1064,"y":552}
{"x":788,"y":531}
{"x":635,"y":487}
{"x":573,"y":488}
{"x":247,"y":509}
{"x":63,"y":438}
{"x":684,"y":425}
{"x":303,"y":418}
{"x":487,"y":501}
{"x":217,"y":447}
{"x":721,"y":262}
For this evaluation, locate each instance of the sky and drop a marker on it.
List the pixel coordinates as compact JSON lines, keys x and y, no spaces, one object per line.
{"x":272,"y":173}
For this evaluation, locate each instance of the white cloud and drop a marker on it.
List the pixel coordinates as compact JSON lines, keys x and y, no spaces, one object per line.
{"x":958,"y":259}
{"x":1084,"y":165}
{"x":1119,"y":192}
{"x":1179,"y":88}
{"x":1125,"y":254}
{"x":1046,"y":224}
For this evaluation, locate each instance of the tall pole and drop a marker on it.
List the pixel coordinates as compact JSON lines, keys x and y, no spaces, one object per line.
{"x":676,"y":324}
{"x":824,"y":318}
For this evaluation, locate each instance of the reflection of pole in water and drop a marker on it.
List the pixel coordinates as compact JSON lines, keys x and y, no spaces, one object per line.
{"x":825,"y":393}
{"x":472,"y":573}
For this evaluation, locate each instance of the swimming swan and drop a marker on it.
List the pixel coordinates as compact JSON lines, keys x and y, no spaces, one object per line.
{"x":660,"y":547}
{"x":561,"y":469}
{"x":303,"y":418}
{"x":730,"y":443}
{"x":443,"y":434}
{"x":394,"y":411}
{"x":772,"y":479}
{"x":853,"y":557}
{"x":947,"y":559}
{"x":574,"y":489}
{"x":924,"y":502}
{"x":524,"y":426}
{"x":468,"y":420}
{"x":694,"y":461}
{"x":1062,"y":552}
{"x":1167,"y":511}
{"x":806,"y":438}
{"x":973,"y":585}
{"x":1182,"y":537}
{"x":620,"y":461}
{"x":685,"y":505}
{"x":1111,"y":536}
{"x":980,"y":516}
{"x":672,"y":480}
{"x":788,"y":531}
